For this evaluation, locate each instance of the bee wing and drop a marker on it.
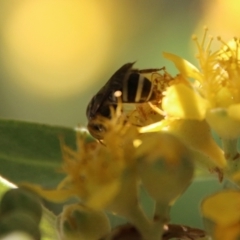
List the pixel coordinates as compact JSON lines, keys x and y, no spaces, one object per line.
{"x":150,"y":70}
{"x":116,"y":81}
{"x":112,"y":85}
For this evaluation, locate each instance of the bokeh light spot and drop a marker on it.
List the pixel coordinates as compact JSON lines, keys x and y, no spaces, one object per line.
{"x":221,"y":17}
{"x":55,"y":47}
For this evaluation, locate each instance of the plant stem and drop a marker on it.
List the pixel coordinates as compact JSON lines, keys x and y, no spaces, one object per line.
{"x":161,"y":213}
{"x":150,"y":230}
{"x":231,"y":153}
{"x":230,"y":148}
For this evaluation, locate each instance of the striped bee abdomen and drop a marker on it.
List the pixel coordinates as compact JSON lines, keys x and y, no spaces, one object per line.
{"x":137,"y":89}
{"x":128,"y":84}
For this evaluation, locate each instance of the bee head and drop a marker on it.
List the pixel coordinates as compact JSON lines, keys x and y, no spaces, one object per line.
{"x":90,"y":112}
{"x":97,"y":129}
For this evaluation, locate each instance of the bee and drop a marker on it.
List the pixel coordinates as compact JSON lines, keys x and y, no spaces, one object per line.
{"x":127,"y":83}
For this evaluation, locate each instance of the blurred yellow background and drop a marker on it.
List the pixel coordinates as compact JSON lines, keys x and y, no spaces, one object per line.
{"x":55,"y":54}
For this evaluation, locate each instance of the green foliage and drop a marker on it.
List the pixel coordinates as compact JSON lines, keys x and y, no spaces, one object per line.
{"x":31,"y":152}
{"x":21,"y":211}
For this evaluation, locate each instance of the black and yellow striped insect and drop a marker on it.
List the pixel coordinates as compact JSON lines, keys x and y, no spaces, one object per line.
{"x":127,"y":83}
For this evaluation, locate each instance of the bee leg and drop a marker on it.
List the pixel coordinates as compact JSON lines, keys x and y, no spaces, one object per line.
{"x":156,"y":109}
{"x":150,"y":70}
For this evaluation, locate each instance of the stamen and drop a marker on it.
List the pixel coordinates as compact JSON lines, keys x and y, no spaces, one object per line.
{"x":195,"y":39}
{"x":229,"y":52}
{"x":224,"y":44}
{"x":209,"y":45}
{"x":201,"y":47}
{"x":119,"y":107}
{"x":204,"y":37}
{"x":220,"y":40}
{"x":118,"y":93}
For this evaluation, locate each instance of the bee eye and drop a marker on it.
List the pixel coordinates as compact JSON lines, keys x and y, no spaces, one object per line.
{"x":98,"y":127}
{"x":97,"y":130}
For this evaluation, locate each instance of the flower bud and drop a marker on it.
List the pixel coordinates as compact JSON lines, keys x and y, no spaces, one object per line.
{"x":21,"y":199}
{"x":80,"y":222}
{"x":165,"y":166}
{"x":19,"y":221}
{"x":17,"y":236}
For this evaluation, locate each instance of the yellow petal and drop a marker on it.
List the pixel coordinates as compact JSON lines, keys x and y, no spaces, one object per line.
{"x":195,"y":134}
{"x":55,"y":195}
{"x":184,"y":67}
{"x":180,"y":101}
{"x":223,"y":208}
{"x":125,"y":199}
{"x":101,"y":197}
{"x":230,"y":232}
{"x":223,"y":123}
{"x":234,"y":111}
{"x":224,"y":97}
{"x":164,"y":163}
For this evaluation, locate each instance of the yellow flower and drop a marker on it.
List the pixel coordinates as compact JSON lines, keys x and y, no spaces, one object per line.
{"x":214,"y":94}
{"x":94,"y":169}
{"x":95,"y":173}
{"x":221,"y":213}
{"x":197,"y":136}
{"x":106,"y":177}
{"x":164,"y":163}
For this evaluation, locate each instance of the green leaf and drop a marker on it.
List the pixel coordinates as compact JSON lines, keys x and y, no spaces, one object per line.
{"x":31,"y":152}
{"x":48,"y":222}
